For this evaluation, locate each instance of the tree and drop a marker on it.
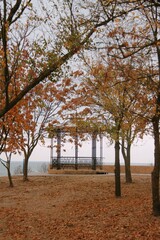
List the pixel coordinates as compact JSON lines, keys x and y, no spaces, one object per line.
{"x":6,"y":144}
{"x":25,"y":44}
{"x":142,"y":37}
{"x":32,"y":115}
{"x":38,"y":109}
{"x":109,"y":93}
{"x":7,"y":165}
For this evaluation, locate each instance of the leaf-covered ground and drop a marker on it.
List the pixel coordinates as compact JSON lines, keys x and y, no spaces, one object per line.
{"x":76,"y":207}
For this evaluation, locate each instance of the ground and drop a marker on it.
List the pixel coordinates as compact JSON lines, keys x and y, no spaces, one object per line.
{"x":74,"y":207}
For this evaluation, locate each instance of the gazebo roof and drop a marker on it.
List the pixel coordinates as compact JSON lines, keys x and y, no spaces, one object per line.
{"x":80,"y":127}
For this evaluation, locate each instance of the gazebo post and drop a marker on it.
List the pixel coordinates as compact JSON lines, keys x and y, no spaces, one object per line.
{"x":94,"y":141}
{"x":58,"y":148}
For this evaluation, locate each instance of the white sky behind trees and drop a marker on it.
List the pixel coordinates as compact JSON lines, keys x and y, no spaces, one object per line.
{"x":142,"y":151}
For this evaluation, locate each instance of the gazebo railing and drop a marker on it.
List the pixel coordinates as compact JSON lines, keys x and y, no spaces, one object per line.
{"x":76,"y":162}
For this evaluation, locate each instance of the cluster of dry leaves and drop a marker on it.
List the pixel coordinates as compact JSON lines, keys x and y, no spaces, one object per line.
{"x":72,"y":207}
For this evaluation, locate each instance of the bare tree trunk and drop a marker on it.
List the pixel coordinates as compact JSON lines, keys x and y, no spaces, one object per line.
{"x":155,"y":172}
{"x":117,"y":165}
{"x":25,"y":169}
{"x":10,"y":178}
{"x":156,"y":169}
{"x":6,"y":164}
{"x":9,"y":174}
{"x":127,"y":160}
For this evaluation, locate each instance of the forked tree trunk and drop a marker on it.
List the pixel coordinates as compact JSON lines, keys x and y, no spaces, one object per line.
{"x":7,"y":165}
{"x":156,"y":169}
{"x":127,"y":160}
{"x":27,"y":155}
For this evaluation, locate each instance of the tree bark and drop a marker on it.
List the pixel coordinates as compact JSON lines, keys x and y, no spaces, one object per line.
{"x":9,"y":174}
{"x":155,"y":172}
{"x":117,"y":166}
{"x":25,"y":169}
{"x":6,"y":164}
{"x":155,"y":122}
{"x":127,"y":160}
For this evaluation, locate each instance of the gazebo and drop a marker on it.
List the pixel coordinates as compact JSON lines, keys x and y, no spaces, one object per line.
{"x":57,"y":161}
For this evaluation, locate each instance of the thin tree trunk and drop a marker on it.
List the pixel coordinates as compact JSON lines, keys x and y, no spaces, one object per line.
{"x":6,"y":164}
{"x":9,"y":174}
{"x":117,"y":166}
{"x":25,"y":169}
{"x":127,"y":160}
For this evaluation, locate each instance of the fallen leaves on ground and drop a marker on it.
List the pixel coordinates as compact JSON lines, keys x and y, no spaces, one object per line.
{"x":68,"y":207}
